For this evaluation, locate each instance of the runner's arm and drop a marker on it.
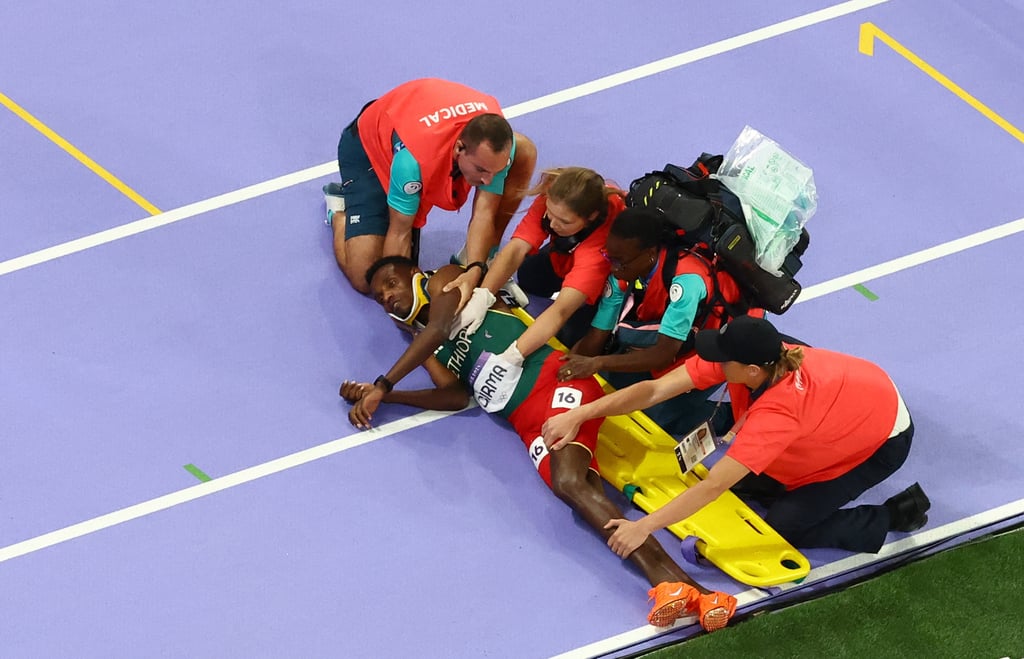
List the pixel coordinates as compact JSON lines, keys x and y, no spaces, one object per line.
{"x":448,"y":392}
{"x":427,"y":341}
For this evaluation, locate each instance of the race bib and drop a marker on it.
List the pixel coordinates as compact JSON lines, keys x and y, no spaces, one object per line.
{"x":568,"y":398}
{"x":538,"y":449}
{"x":494,"y":380}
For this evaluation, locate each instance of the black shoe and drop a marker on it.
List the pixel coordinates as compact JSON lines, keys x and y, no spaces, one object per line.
{"x":907,"y":509}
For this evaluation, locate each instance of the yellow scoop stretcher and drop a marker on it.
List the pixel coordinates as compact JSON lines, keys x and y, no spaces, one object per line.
{"x":638,"y":458}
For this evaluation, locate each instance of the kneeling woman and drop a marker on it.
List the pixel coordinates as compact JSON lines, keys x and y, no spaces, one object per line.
{"x":818,"y":428}
{"x":557,"y":248}
{"x":659,"y":294}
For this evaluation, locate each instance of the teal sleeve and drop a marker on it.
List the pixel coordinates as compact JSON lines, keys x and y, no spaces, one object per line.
{"x":497,"y":184}
{"x":679,"y":315}
{"x":406,"y":183}
{"x":609,"y":307}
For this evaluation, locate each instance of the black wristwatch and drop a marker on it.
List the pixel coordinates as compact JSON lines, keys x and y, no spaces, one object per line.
{"x":481,"y":265}
{"x":388,"y":386}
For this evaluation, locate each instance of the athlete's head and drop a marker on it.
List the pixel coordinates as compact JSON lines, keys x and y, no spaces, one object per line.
{"x":483,"y":148}
{"x":390,"y":281}
{"x":633,"y":243}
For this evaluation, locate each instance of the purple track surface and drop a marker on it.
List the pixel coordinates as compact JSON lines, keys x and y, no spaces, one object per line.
{"x":217,"y":335}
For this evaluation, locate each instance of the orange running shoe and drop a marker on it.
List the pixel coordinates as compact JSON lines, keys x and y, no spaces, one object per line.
{"x":715,"y":609}
{"x":671,"y":600}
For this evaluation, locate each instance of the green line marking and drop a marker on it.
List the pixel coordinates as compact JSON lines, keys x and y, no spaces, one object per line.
{"x":197,"y":472}
{"x":860,"y":288}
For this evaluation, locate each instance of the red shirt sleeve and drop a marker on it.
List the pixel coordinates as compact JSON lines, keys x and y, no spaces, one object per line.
{"x":703,"y":373}
{"x":588,"y":269}
{"x":529,"y":228}
{"x":819,"y":421}
{"x":585,"y":269}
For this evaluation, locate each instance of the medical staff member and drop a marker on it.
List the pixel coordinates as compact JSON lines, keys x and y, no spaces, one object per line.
{"x":660,"y":293}
{"x":814,"y":430}
{"x":556,"y":248}
{"x":425,"y":144}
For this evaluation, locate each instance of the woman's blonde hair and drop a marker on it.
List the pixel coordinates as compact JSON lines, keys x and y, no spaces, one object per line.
{"x":582,"y":190}
{"x":789,"y":361}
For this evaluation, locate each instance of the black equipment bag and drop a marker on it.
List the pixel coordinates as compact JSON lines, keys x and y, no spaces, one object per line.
{"x":709,"y":219}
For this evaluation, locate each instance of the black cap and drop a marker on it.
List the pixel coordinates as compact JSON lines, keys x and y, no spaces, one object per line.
{"x":746,"y":340}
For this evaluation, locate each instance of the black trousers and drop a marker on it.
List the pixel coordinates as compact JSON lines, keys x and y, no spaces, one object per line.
{"x":813,"y":516}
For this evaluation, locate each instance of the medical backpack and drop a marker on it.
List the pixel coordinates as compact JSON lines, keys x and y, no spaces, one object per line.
{"x":709,"y":220}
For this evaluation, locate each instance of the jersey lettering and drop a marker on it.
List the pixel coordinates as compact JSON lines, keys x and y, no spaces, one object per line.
{"x":494,"y":381}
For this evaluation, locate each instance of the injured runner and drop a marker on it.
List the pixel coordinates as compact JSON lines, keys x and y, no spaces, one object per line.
{"x":527,"y":393}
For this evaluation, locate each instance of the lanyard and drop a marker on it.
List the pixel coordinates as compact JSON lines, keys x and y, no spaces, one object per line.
{"x":738,"y":424}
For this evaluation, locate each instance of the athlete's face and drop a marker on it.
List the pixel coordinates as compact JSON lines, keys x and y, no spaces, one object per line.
{"x":480,"y":164}
{"x":391,"y":287}
{"x":628,"y":259}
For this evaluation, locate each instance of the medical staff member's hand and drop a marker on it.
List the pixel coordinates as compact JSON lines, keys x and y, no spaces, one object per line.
{"x":362,"y":412}
{"x":352,"y":391}
{"x":628,"y":536}
{"x":576,"y":367}
{"x":466,"y":283}
{"x":559,"y":430}
{"x":512,"y":355}
{"x":472,"y":315}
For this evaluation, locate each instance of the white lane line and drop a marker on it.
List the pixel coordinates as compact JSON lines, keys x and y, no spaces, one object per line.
{"x":311,"y":173}
{"x":337,"y":446}
{"x":169,"y":217}
{"x":911,"y":260}
{"x":856,"y":561}
{"x":217,"y":484}
{"x":690,"y":56}
{"x":328,"y":168}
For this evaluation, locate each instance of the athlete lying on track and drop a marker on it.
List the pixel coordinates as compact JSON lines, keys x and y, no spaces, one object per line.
{"x":524,"y":391}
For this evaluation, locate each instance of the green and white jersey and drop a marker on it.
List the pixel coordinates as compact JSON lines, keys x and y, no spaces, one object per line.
{"x":497,"y":386}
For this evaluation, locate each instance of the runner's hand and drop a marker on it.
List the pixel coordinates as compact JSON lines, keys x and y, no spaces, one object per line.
{"x":353,"y":391}
{"x":362,"y":412}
